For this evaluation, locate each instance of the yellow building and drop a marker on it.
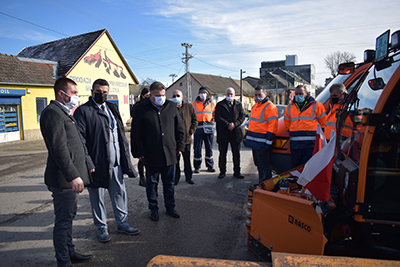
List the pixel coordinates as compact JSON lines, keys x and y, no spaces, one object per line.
{"x":82,"y":58}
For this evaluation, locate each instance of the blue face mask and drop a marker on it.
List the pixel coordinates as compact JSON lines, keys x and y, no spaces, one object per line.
{"x":176,"y":100}
{"x":299,"y":98}
{"x":259,"y":99}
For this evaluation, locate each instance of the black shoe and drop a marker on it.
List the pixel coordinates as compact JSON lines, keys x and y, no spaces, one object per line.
{"x":210,"y":169}
{"x":75,"y":258}
{"x":190,"y":181}
{"x":173,"y":213}
{"x":142,"y":181}
{"x":154,"y":215}
{"x":238,"y":175}
{"x":196,"y":171}
{"x":221,"y":175}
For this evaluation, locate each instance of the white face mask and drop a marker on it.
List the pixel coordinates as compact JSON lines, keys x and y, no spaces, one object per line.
{"x":159,"y":100}
{"x":203,"y":96}
{"x":229,"y":98}
{"x":73,"y":103}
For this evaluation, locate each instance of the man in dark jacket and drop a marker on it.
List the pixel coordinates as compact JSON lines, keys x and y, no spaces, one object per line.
{"x":108,"y":158}
{"x":229,"y":115}
{"x":189,"y":120}
{"x":143,"y":96}
{"x":157,"y":136}
{"x":66,"y":171}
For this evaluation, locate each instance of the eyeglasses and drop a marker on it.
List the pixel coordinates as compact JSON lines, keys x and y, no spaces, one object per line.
{"x":176,"y":96}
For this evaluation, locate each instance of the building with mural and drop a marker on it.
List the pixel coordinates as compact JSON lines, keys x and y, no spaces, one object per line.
{"x":82,"y":58}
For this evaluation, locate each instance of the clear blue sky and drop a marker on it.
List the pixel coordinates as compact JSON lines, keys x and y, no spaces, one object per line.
{"x":226,"y":35}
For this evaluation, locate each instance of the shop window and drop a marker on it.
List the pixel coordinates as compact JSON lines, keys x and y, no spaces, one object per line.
{"x":41,"y":103}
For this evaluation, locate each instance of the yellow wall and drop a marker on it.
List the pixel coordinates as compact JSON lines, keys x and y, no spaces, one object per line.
{"x":86,"y":72}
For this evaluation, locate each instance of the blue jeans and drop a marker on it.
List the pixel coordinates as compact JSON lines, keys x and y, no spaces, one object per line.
{"x":118,"y":197}
{"x":65,"y":207}
{"x":197,"y":144}
{"x":167,"y":177}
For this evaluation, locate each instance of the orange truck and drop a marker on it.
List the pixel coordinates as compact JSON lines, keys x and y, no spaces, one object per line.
{"x":362,"y":216}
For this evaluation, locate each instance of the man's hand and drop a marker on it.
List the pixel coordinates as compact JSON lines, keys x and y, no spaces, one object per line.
{"x":92,"y":170}
{"x":231,"y":126}
{"x":141,"y":158}
{"x":178,"y":152}
{"x":77,"y":185}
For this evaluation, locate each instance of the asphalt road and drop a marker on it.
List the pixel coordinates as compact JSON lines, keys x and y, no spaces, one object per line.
{"x":212,"y":223}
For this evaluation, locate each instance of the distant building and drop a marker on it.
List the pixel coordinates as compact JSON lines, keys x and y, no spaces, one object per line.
{"x":216,"y":85}
{"x":305,"y":73}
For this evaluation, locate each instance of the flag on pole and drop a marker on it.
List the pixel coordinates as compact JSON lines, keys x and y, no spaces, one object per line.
{"x":317,"y":173}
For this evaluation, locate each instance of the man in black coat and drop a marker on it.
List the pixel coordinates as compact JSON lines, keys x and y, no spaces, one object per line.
{"x":108,"y":158}
{"x":157,"y":136}
{"x":66,"y":171}
{"x":229,"y":115}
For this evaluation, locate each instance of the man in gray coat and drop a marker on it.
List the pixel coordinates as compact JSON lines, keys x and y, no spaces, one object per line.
{"x":66,"y":171}
{"x":108,"y":158}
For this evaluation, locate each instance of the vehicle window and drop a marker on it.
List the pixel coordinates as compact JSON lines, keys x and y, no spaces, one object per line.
{"x":351,"y":140}
{"x":324,"y":96}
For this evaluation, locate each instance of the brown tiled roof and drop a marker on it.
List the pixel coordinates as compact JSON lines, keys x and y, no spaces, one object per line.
{"x":24,"y":71}
{"x":66,"y":51}
{"x":218,"y":84}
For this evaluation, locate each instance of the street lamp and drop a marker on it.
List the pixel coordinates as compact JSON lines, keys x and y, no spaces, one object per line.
{"x":241,"y":90}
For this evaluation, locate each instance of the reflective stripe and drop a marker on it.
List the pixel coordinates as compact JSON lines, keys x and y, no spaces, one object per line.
{"x":269,"y":142}
{"x":329,"y":123}
{"x":302,"y":118}
{"x":322,"y":114}
{"x":260,"y":140}
{"x":302,"y":138}
{"x":249,"y":204}
{"x":248,"y":221}
{"x":248,"y":212}
{"x":198,"y":159}
{"x":264,"y":121}
{"x":208,"y":157}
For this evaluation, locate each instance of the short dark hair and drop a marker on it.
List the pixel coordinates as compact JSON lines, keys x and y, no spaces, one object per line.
{"x":260,"y":87}
{"x":157,"y":86}
{"x":144,"y":91}
{"x":62,"y":84}
{"x":100,"y":82}
{"x":301,"y":86}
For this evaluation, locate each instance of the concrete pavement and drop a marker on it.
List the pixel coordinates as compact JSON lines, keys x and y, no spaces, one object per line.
{"x":26,"y":215}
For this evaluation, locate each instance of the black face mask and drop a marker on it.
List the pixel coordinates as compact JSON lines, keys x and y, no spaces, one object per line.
{"x":100,"y":98}
{"x":335,"y":100}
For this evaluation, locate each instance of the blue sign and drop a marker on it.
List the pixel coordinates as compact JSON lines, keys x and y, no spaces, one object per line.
{"x":12,"y":92}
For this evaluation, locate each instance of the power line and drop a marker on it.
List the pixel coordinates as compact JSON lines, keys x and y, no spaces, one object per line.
{"x":33,"y":24}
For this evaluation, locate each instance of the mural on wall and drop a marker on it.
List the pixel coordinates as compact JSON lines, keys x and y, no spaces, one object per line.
{"x":107,"y":62}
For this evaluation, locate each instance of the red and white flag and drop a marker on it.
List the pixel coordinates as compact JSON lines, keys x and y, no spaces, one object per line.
{"x":320,"y":140}
{"x":317,"y":173}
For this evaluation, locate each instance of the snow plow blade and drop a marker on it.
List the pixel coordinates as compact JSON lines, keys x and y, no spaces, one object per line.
{"x":173,"y":261}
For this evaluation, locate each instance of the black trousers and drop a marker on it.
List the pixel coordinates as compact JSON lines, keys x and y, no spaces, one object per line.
{"x":223,"y":150}
{"x":262,"y":161}
{"x":65,"y":207}
{"x":140,"y":166}
{"x":167,"y":174}
{"x":187,"y":165}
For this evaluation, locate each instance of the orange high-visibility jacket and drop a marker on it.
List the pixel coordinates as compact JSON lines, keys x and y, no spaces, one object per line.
{"x":263,"y":124}
{"x":331,"y":123}
{"x":302,"y":124}
{"x":205,"y":115}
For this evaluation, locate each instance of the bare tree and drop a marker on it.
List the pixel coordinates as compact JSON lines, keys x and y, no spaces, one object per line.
{"x":333,"y":60}
{"x":147,"y":81}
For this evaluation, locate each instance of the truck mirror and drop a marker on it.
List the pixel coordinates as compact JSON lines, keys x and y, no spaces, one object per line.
{"x":376,"y":84}
{"x":347,"y":68}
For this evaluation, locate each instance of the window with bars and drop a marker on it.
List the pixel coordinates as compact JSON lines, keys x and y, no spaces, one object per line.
{"x":41,"y":103}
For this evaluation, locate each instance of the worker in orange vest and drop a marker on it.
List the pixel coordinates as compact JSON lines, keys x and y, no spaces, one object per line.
{"x":338,"y":92}
{"x":263,"y":124}
{"x":205,"y":109}
{"x":301,"y":120}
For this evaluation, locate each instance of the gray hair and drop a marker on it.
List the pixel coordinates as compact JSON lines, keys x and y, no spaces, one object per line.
{"x":230,"y":89}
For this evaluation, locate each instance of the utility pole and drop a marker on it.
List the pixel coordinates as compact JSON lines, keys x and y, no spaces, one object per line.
{"x":185,"y":60}
{"x":173,"y":75}
{"x":241,"y":90}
